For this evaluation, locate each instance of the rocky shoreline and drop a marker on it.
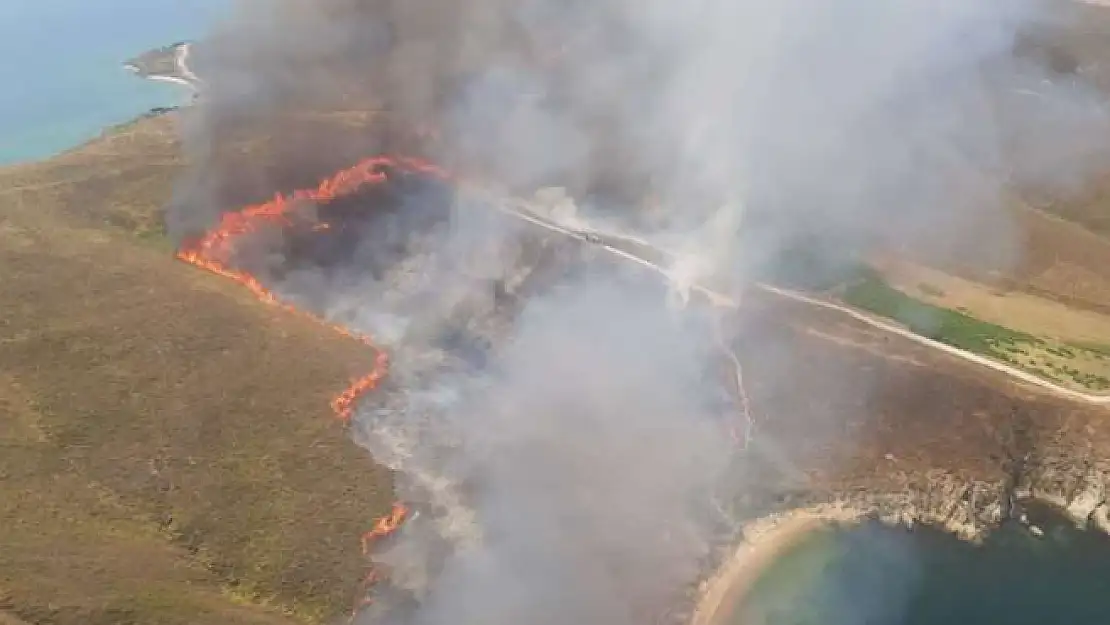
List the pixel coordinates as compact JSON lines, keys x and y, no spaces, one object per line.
{"x":1073,"y":485}
{"x":971,"y":509}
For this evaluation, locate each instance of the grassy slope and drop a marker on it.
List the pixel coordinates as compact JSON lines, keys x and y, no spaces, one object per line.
{"x":168,"y":454}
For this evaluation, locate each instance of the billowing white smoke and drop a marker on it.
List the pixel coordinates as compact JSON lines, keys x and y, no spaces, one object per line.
{"x":896,"y":122}
{"x":591,"y":489}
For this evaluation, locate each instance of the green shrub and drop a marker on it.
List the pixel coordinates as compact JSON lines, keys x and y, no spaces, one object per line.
{"x":957,"y":329}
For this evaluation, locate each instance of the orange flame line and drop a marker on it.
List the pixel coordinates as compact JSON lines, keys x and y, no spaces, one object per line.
{"x":213,"y":251}
{"x":384,"y":526}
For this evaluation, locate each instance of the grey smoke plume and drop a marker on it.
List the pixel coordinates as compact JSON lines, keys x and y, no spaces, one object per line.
{"x":586,"y":486}
{"x":565,"y":457}
{"x":874,"y":120}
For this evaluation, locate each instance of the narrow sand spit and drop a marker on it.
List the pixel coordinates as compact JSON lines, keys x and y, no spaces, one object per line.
{"x":765,"y":540}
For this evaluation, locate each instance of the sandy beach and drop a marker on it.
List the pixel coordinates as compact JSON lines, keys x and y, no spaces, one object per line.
{"x":765,"y":540}
{"x":173,"y":79}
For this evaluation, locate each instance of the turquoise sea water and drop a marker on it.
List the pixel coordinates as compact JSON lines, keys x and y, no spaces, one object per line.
{"x":61,"y":66}
{"x":877,"y":575}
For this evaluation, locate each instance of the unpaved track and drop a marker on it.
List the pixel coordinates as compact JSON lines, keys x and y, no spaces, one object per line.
{"x":620,"y":244}
{"x":892,"y":328}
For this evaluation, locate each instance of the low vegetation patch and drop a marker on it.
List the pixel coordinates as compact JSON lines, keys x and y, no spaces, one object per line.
{"x":1082,"y":366}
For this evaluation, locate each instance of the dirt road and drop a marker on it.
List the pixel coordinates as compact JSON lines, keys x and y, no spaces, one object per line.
{"x":893,"y":328}
{"x":665,"y":262}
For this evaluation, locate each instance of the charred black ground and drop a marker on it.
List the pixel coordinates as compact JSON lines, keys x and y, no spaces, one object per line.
{"x":382,"y":217}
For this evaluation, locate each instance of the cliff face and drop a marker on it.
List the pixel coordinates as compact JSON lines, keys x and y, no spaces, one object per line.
{"x":971,"y":509}
{"x":1072,"y":472}
{"x":1068,"y":471}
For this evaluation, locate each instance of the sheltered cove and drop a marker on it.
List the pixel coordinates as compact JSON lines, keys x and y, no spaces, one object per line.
{"x":968,"y":510}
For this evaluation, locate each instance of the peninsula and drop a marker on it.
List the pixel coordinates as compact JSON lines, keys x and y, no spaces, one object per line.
{"x":168,"y":63}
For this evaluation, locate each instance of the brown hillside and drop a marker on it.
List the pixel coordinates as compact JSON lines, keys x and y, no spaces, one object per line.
{"x":1063,"y":261}
{"x":1060,"y":241}
{"x":847,"y":407}
{"x":168,"y":451}
{"x":1053,"y":258}
{"x":1076,"y":39}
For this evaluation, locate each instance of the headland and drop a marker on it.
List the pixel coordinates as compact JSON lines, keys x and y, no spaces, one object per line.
{"x":168,"y":63}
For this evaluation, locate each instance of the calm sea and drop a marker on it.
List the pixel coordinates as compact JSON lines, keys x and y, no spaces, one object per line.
{"x":877,"y":575}
{"x":60,"y":66}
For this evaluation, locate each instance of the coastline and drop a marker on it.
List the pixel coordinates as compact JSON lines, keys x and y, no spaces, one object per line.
{"x":138,"y":103}
{"x":181,"y":74}
{"x":765,"y":541}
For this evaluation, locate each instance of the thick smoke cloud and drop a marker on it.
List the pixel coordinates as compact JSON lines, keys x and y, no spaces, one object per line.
{"x":585,"y":485}
{"x":872,"y":120}
{"x":559,"y":429}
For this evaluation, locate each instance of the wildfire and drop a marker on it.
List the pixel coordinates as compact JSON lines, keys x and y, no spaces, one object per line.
{"x":215,"y":252}
{"x":384,"y":526}
{"x":344,"y":403}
